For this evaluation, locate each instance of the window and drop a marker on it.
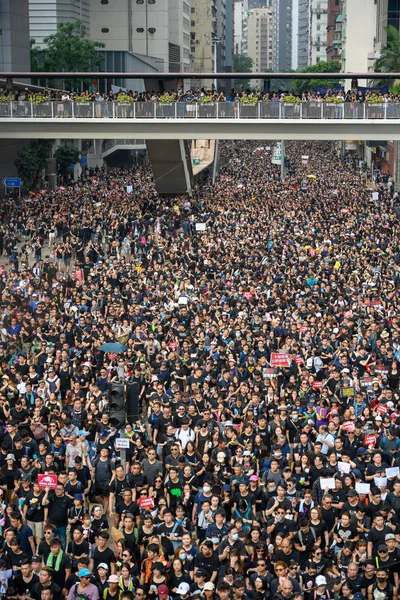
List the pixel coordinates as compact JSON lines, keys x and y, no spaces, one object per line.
{"x":140,"y":29}
{"x":192,"y":10}
{"x":105,"y":30}
{"x":151,"y":1}
{"x":152,"y":30}
{"x":192,"y":23}
{"x":104,"y":1}
{"x":193,"y":49}
{"x":139,"y":1}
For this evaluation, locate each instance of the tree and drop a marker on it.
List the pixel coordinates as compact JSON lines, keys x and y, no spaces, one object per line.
{"x":31,"y":161}
{"x":389,"y":61}
{"x":65,"y":156}
{"x":331,"y":66}
{"x":242,"y":64}
{"x":68,"y":50}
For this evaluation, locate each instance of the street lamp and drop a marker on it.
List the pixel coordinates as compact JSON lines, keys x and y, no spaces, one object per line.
{"x":215,"y":42}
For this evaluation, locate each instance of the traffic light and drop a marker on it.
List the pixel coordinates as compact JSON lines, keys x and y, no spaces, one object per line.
{"x":132,"y":402}
{"x":116,"y":403}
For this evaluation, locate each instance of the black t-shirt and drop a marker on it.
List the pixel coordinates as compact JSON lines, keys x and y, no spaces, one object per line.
{"x":44,"y":550}
{"x":209,"y":564}
{"x":38,"y":587}
{"x":378,"y":537}
{"x":105,"y":556}
{"x":345,"y":533}
{"x":165,"y":532}
{"x":329,"y":516}
{"x":35,"y":511}
{"x":23,"y":587}
{"x":132,"y":508}
{"x":118,"y":487}
{"x":58,"y":510}
{"x":59,"y":575}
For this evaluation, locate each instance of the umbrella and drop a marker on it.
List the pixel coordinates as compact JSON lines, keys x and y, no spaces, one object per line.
{"x":112,"y":347}
{"x":312,"y":176}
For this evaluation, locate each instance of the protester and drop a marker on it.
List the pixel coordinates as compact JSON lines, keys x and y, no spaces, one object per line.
{"x":262,"y":460}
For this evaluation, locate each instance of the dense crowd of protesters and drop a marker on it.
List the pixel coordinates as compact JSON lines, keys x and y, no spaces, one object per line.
{"x":260,"y":320}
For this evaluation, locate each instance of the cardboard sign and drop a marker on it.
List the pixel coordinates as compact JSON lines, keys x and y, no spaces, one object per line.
{"x":380,"y":481}
{"x":381,"y":409}
{"x":129,"y":189}
{"x":182,"y":300}
{"x":200,"y":226}
{"x":375,"y":195}
{"x":146,"y":503}
{"x":329,"y":482}
{"x":348,"y":426}
{"x":348,"y":392}
{"x":369,"y":440}
{"x":122,"y":443}
{"x":47,"y":481}
{"x":280,"y":359}
{"x":344,"y":467}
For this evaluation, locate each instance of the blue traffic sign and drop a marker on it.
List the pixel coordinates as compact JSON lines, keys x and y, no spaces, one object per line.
{"x":84,"y":161}
{"x":12,"y":182}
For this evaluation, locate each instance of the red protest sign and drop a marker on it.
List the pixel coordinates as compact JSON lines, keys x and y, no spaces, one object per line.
{"x":369,"y":440}
{"x":303,"y":328}
{"x":47,"y":481}
{"x":381,"y":409}
{"x":348,"y":426}
{"x":248,"y":295}
{"x":146,"y":503}
{"x":299,"y":360}
{"x":280,"y":359}
{"x":317,"y":385}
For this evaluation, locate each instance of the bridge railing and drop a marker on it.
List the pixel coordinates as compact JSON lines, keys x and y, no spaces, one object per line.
{"x":185,"y":110}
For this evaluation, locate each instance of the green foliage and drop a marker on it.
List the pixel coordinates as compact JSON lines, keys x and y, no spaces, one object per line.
{"x":291,"y":99}
{"x":303,"y":85}
{"x":31,"y":161}
{"x":166,"y":99}
{"x":250,"y":99}
{"x":333,"y":100}
{"x":66,"y":155}
{"x":389,"y":61}
{"x":242,"y":64}
{"x":67,"y":50}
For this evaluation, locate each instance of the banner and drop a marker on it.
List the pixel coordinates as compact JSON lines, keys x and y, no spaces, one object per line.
{"x":369,"y":440}
{"x":146,"y":503}
{"x":348,"y":426}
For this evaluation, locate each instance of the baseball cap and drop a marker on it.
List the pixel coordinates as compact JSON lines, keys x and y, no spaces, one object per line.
{"x":183,"y":588}
{"x":82,"y":432}
{"x":320,"y":580}
{"x":112,"y":578}
{"x":209,"y":586}
{"x":352,"y":493}
{"x":221,"y":457}
{"x":390,"y":536}
{"x":382,"y":548}
{"x":163,"y":591}
{"x":253,"y":477}
{"x":361,"y":451}
{"x":78,"y":497}
{"x":103,"y":566}
{"x":36,"y":558}
{"x":83,"y":573}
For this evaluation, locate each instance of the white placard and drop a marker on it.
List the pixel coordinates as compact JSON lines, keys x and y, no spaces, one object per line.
{"x":329,"y":482}
{"x":363,"y":488}
{"x":344,"y":467}
{"x":380,"y":481}
{"x":375,"y":195}
{"x":392,"y":472}
{"x":122,"y":443}
{"x":182,"y":300}
{"x":305,"y":157}
{"x":267,"y":147}
{"x":129,"y":189}
{"x":200,"y":226}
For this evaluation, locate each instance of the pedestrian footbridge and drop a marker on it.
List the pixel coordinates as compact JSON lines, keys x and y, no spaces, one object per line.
{"x":167,"y":128}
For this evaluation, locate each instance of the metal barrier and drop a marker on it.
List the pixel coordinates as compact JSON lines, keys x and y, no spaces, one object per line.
{"x":186,"y":110}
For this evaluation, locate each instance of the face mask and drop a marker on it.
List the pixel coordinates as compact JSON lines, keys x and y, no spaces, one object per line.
{"x":271,"y":489}
{"x":295,"y":417}
{"x":215,"y":540}
{"x":206,"y":489}
{"x":182,"y":556}
{"x":381,"y":579}
{"x":235,"y":537}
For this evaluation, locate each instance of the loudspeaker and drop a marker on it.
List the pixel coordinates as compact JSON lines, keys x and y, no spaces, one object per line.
{"x":132,"y":401}
{"x":116,"y":403}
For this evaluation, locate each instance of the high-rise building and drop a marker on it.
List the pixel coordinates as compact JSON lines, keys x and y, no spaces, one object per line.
{"x":44,"y":16}
{"x":14,"y":35}
{"x":283,"y":23}
{"x":334,"y":31}
{"x":241,"y":8}
{"x":261,"y":41}
{"x":358,"y":36}
{"x":144,"y":27}
{"x":210,"y":50}
{"x":312,"y":31}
